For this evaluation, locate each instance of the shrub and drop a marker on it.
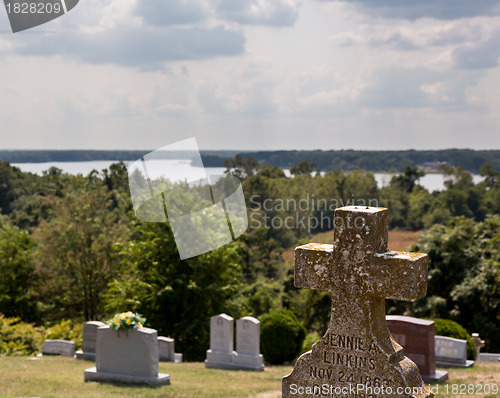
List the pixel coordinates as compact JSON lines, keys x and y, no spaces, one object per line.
{"x":445,"y":327}
{"x":310,"y":339}
{"x":281,"y":336}
{"x":19,"y":338}
{"x":66,"y":330}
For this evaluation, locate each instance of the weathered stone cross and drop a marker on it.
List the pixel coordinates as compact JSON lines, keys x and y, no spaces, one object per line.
{"x":357,"y":357}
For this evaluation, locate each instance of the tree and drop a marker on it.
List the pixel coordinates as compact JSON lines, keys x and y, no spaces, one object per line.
{"x":241,"y":167}
{"x":176,"y":296}
{"x":17,"y":273}
{"x":76,"y":253}
{"x":303,"y":167}
{"x":464,"y":276}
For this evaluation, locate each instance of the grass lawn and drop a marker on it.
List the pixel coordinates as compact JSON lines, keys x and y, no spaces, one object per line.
{"x":63,"y":377}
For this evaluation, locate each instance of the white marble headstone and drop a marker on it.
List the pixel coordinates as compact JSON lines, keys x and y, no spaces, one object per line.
{"x":248,"y":344}
{"x":220,"y":354}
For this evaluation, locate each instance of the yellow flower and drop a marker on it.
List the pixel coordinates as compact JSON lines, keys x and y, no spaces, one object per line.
{"x":128,"y":321}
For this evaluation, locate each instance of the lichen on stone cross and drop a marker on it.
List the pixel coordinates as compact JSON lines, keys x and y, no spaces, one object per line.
{"x":357,"y":357}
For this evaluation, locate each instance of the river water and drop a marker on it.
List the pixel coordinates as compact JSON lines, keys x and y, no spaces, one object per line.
{"x":181,"y":169}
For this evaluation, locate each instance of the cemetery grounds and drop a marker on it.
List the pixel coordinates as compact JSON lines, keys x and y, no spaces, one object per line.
{"x":49,"y":377}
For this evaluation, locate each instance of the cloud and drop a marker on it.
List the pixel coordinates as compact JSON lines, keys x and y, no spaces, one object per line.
{"x":138,"y":47}
{"x":259,"y":12}
{"x":250,"y":90}
{"x":409,"y":38}
{"x":478,"y":56}
{"x":442,"y":9}
{"x":418,"y":88}
{"x":171,"y":12}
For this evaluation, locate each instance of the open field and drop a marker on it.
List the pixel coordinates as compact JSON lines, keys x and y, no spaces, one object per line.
{"x":398,"y":240}
{"x":49,"y":377}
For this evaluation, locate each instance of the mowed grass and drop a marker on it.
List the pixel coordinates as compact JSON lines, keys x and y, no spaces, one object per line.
{"x":49,"y":377}
{"x":398,"y":240}
{"x":63,"y":377}
{"x":472,"y":382}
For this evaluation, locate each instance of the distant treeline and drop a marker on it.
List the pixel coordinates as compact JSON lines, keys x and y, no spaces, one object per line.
{"x":347,"y":160}
{"x":374,"y":161}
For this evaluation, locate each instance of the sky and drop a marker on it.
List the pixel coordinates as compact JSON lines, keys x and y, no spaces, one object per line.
{"x":255,"y":75}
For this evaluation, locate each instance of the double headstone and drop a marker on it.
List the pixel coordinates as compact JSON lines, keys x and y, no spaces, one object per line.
{"x":416,"y":336}
{"x":58,"y":347}
{"x":89,"y":340}
{"x":357,"y":356}
{"x":128,"y":356}
{"x":166,"y":349}
{"x":451,"y":353}
{"x":221,"y":354}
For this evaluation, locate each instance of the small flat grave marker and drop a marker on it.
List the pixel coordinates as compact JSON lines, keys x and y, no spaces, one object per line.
{"x":58,"y":347}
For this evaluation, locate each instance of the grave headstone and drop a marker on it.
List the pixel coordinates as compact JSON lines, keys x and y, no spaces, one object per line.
{"x":451,"y":353}
{"x":220,"y":355}
{"x":484,"y":357}
{"x":478,"y":344}
{"x":166,"y":349}
{"x":58,"y":347}
{"x":357,"y":355}
{"x":416,"y":336}
{"x":128,"y":356}
{"x":248,"y":344}
{"x":89,"y":340}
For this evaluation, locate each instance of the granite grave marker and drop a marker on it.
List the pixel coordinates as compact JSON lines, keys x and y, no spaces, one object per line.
{"x":89,"y":340}
{"x":451,"y":353}
{"x":128,"y":356}
{"x":416,"y":336}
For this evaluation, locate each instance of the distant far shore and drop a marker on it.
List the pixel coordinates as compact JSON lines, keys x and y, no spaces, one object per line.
{"x":374,"y":161}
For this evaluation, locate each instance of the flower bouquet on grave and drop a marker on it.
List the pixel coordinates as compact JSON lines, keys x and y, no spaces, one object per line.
{"x":126,"y":321}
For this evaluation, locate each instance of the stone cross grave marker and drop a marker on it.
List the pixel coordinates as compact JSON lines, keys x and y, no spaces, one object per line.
{"x":478,"y":344}
{"x":357,"y":356}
